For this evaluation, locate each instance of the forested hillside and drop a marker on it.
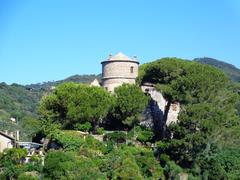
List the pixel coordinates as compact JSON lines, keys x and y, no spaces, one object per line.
{"x":20,"y":101}
{"x":229,"y":69}
{"x":74,"y":78}
{"x":206,"y":140}
{"x":93,"y":134}
{"x":203,"y":144}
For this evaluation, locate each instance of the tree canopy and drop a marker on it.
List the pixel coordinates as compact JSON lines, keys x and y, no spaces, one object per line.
{"x":130,"y":103}
{"x":72,"y":103}
{"x":208,"y":111}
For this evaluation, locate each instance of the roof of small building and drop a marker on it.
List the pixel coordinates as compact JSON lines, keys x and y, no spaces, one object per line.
{"x":6,"y":135}
{"x":119,"y":56}
{"x":29,"y":145}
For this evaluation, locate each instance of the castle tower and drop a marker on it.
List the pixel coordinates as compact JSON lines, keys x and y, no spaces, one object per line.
{"x":117,"y":70}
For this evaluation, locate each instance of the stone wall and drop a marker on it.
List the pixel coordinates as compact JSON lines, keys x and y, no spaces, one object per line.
{"x":117,"y":72}
{"x":119,"y":69}
{"x":112,"y":83}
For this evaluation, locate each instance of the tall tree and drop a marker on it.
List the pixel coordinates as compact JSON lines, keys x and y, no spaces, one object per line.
{"x":130,"y":103}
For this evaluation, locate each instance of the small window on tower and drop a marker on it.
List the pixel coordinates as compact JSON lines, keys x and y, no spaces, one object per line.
{"x":131,"y":69}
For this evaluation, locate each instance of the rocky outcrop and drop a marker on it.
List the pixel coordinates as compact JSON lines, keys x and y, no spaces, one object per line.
{"x":159,"y":112}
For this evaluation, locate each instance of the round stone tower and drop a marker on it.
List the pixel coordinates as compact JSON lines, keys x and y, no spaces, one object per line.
{"x":117,"y":70}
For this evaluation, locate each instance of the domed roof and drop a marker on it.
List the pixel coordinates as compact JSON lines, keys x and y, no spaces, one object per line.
{"x":119,"y":56}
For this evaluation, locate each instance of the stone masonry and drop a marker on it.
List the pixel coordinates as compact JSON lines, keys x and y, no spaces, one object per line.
{"x":117,"y":70}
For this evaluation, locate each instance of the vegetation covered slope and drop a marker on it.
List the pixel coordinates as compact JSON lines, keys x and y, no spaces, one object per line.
{"x":86,"y":79}
{"x":199,"y":141}
{"x":18,"y":100}
{"x":21,"y":102}
{"x":229,"y":69}
{"x":203,"y":144}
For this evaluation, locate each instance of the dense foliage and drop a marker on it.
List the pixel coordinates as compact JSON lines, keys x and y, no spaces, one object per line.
{"x":20,"y":102}
{"x":71,"y":104}
{"x":83,"y":157}
{"x":13,"y":167}
{"x":203,"y":144}
{"x":17,"y":101}
{"x":130,"y":103}
{"x":208,"y":113}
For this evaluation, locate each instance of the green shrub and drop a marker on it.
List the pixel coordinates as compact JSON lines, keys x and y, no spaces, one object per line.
{"x":94,"y":144}
{"x":70,"y":141}
{"x":68,"y":165}
{"x":100,"y":131}
{"x":172,"y":170}
{"x":25,"y":176}
{"x":143,"y":134}
{"x":115,"y":137}
{"x":86,"y":127}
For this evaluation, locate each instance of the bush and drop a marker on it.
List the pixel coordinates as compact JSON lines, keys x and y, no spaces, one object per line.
{"x":70,"y":141}
{"x":25,"y":176}
{"x":59,"y":164}
{"x":94,"y":144}
{"x":172,"y":170}
{"x":115,"y":137}
{"x":100,"y":131}
{"x":67,"y":165}
{"x":86,"y":127}
{"x":143,"y":134}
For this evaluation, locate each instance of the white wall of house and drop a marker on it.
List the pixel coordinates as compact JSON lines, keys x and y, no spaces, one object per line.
{"x":5,"y":143}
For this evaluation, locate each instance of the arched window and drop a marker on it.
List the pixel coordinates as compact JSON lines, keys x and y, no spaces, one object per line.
{"x":131,"y":69}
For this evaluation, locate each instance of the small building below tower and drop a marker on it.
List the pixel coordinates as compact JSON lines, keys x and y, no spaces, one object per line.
{"x":117,"y":70}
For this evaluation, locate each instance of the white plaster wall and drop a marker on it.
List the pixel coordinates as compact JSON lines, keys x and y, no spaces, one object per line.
{"x":115,"y":73}
{"x":5,"y":143}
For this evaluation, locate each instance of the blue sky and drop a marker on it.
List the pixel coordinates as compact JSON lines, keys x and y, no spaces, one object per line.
{"x":52,"y":39}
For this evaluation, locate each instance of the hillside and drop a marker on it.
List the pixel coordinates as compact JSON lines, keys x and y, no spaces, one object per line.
{"x":229,"y":69}
{"x":19,"y":101}
{"x":78,"y":123}
{"x":75,"y":78}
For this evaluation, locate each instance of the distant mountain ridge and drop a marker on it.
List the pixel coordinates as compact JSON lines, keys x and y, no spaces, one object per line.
{"x":86,"y":79}
{"x":232,"y":71}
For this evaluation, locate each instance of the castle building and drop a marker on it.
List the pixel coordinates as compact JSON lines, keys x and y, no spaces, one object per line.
{"x":117,"y":70}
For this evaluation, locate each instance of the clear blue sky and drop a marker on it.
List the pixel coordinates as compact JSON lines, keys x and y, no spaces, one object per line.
{"x":52,"y":39}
